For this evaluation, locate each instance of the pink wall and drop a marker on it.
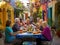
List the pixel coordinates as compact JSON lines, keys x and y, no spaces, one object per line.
{"x":44,"y":7}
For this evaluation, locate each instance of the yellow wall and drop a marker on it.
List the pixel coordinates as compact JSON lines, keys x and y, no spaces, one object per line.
{"x":1,"y":18}
{"x":4,"y":14}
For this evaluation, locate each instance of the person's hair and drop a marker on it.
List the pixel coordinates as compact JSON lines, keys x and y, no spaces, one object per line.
{"x":41,"y":20}
{"x":27,"y":19}
{"x":20,"y":20}
{"x":37,"y":24}
{"x":8,"y":22}
{"x":38,"y":17}
{"x":16,"y":20}
{"x":44,"y":23}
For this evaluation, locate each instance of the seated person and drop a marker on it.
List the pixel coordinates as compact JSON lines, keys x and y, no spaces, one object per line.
{"x":40,"y":23}
{"x":9,"y":37}
{"x":28,"y":23}
{"x":16,"y":26}
{"x":46,"y":31}
{"x":23,"y":27}
{"x":38,"y":18}
{"x":37,"y":27}
{"x":45,"y":34}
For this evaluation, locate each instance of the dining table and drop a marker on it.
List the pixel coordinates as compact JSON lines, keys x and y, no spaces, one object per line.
{"x":27,"y":34}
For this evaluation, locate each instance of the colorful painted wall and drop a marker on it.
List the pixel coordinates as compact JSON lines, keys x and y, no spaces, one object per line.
{"x":44,"y":10}
{"x":51,"y":12}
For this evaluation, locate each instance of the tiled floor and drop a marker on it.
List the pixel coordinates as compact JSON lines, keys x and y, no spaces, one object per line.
{"x":56,"y":41}
{"x":1,"y":41}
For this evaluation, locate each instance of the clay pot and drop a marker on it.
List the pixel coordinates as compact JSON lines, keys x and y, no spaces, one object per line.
{"x":0,"y":35}
{"x":58,"y":33}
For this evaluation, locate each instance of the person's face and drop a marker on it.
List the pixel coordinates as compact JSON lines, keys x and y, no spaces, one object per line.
{"x":25,"y":25}
{"x":19,"y":22}
{"x":44,"y":25}
{"x":38,"y":19}
{"x":28,"y":22}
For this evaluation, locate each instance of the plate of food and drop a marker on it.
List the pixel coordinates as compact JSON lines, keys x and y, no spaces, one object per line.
{"x":29,"y":31}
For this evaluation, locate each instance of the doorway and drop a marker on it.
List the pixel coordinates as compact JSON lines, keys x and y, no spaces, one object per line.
{"x":50,"y":16}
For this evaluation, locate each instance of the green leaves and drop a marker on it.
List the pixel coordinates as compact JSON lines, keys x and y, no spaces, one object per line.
{"x":40,"y":14}
{"x":19,"y":4}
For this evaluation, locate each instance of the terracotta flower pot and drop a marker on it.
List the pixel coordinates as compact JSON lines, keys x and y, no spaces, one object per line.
{"x":58,"y":33}
{"x":0,"y":35}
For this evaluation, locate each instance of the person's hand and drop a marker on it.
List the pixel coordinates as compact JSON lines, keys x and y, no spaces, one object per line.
{"x":39,"y":31}
{"x":24,"y":30}
{"x":34,"y":32}
{"x":16,"y":33}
